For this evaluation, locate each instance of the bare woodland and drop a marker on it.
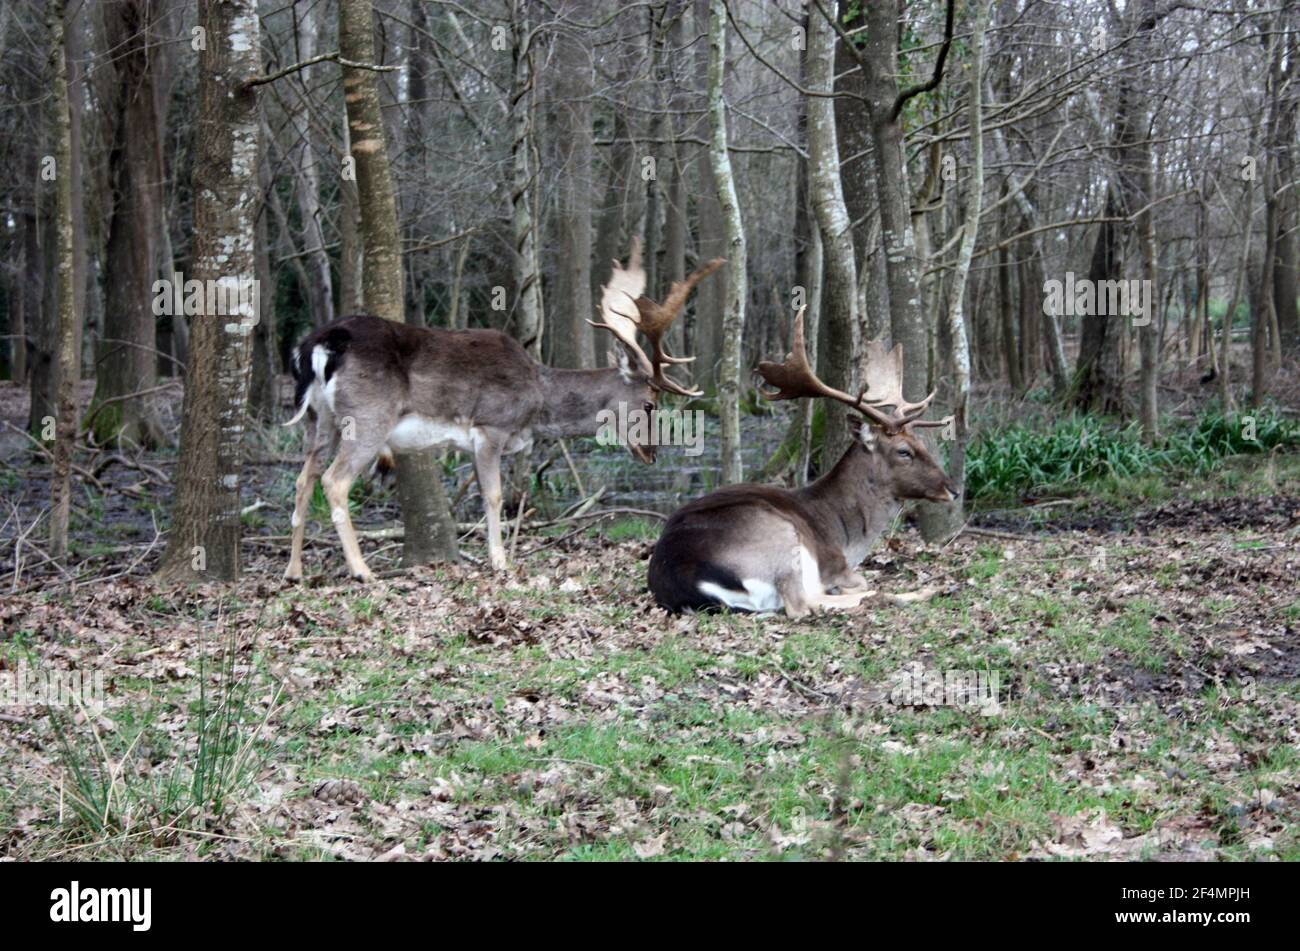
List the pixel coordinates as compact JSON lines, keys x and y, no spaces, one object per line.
{"x":936,"y":174}
{"x":475,"y":166}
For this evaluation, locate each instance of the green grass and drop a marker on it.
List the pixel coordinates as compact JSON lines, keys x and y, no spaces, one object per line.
{"x":113,"y":799}
{"x":487,"y":716}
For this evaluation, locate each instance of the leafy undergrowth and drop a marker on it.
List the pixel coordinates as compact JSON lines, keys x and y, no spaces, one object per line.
{"x":1080,"y":450}
{"x":1147,"y":707}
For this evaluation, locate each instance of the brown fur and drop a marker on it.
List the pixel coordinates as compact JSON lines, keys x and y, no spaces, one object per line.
{"x":836,"y":519}
{"x":479,"y":383}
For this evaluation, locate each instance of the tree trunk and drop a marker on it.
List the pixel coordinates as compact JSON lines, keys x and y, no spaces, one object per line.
{"x":529,"y":324}
{"x":906,"y":321}
{"x":943,"y":521}
{"x":69,"y":316}
{"x":1007,"y":320}
{"x":840,"y":290}
{"x":204,"y":539}
{"x":733,"y":322}
{"x":614,"y":215}
{"x":18,"y":318}
{"x":126,"y":362}
{"x":1148,"y":328}
{"x":1097,"y":371}
{"x":1226,"y":399}
{"x":429,"y":534}
{"x":264,"y":384}
{"x":40,"y":346}
{"x":1288,"y":203}
{"x":351,"y":249}
{"x":573,"y":345}
{"x":319,"y":289}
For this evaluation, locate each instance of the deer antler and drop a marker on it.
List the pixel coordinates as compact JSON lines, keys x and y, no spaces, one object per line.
{"x":627,"y":285}
{"x":657,"y":318}
{"x":884,"y":383}
{"x":617,"y":297}
{"x":794,"y":378}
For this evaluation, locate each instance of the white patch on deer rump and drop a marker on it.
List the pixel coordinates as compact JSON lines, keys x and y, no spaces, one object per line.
{"x":758,"y":595}
{"x":319,"y":387}
{"x":414,"y":432}
{"x":761,"y":594}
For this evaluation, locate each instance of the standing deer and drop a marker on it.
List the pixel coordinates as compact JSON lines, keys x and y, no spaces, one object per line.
{"x":765,"y":548}
{"x":365,"y":385}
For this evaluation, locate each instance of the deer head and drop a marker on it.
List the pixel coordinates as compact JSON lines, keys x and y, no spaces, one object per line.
{"x":912,"y":470}
{"x":625,"y":311}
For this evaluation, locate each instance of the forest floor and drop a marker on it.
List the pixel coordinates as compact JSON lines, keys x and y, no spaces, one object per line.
{"x":1145,"y":653}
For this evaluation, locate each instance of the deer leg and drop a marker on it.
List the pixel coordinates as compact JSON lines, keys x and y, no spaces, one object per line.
{"x":336,"y":482}
{"x":487,"y":469}
{"x":302,"y":499}
{"x":802,"y":589}
{"x":849,"y":581}
{"x":799,"y":585}
{"x":839,"y":602}
{"x":316,"y":443}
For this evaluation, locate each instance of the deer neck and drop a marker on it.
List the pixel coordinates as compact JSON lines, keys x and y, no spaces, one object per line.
{"x":572,"y":400}
{"x":854,"y":503}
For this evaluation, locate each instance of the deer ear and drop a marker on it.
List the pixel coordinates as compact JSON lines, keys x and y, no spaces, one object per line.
{"x":866,"y":433}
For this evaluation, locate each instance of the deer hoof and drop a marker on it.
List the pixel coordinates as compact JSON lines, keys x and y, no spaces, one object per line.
{"x":365,"y":576}
{"x":293,"y":575}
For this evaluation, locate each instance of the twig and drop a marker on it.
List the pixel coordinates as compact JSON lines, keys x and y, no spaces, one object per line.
{"x":572,"y":468}
{"x":993,"y":533}
{"x":322,"y":58}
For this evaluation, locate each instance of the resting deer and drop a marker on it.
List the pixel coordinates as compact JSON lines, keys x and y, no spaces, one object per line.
{"x":365,"y":384}
{"x":765,"y":548}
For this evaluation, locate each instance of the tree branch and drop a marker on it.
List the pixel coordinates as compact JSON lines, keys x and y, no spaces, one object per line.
{"x":934,"y":80}
{"x":322,"y":58}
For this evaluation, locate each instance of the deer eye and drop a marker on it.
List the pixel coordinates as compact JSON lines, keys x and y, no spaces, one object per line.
{"x":905,"y":453}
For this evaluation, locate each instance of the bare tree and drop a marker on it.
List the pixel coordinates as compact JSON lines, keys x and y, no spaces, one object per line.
{"x":69,"y":316}
{"x":429,"y":534}
{"x":203,"y":541}
{"x":573,"y":345}
{"x":126,"y":363}
{"x":733,"y":321}
{"x":529,"y":320}
{"x":840,"y":319}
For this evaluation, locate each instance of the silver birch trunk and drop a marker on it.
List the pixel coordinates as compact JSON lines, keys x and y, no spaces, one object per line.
{"x":203,"y":543}
{"x":943,"y":521}
{"x":840,"y":291}
{"x":733,"y":320}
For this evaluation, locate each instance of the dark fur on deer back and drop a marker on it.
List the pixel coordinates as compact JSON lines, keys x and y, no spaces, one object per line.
{"x":485,"y":375}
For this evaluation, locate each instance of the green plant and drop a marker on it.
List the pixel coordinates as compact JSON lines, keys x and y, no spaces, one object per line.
{"x":1016,"y":460}
{"x":115,"y":797}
